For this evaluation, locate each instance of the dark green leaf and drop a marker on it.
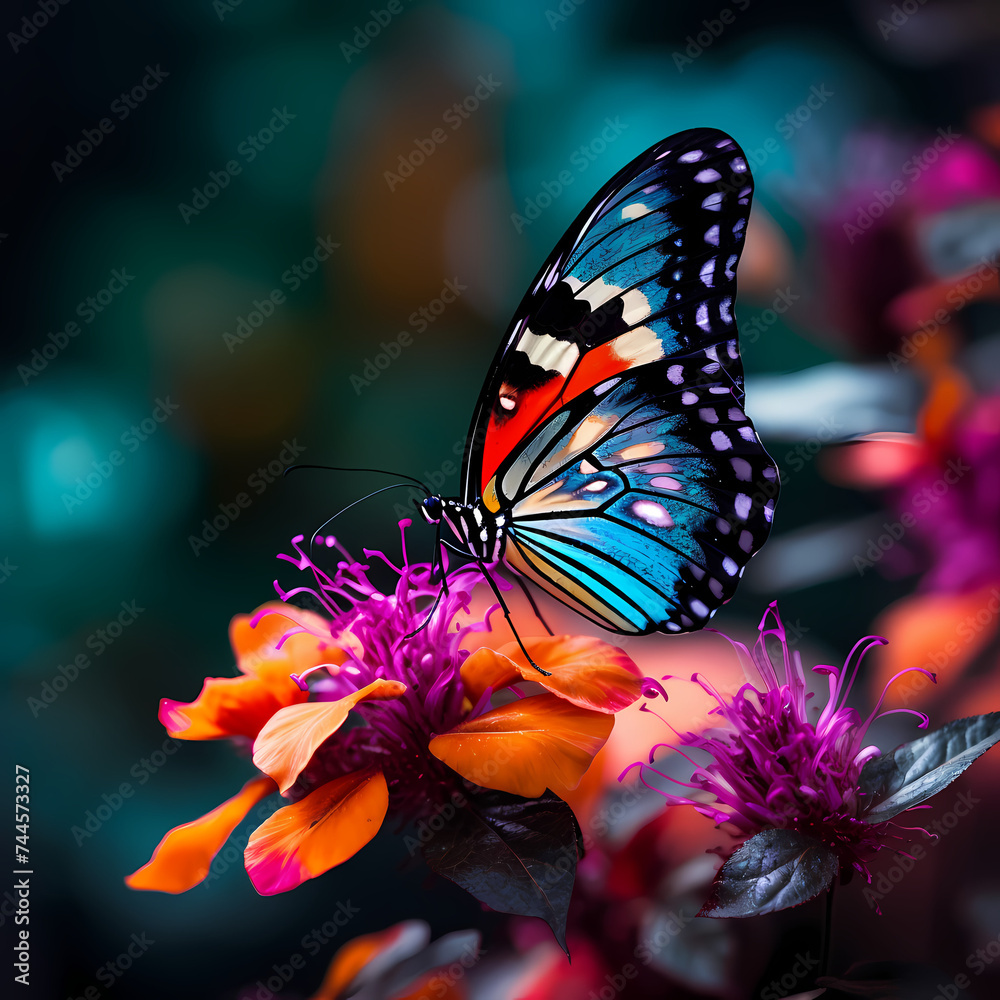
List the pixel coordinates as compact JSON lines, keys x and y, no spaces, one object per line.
{"x":515,"y":855}
{"x":915,"y":771}
{"x":772,"y":871}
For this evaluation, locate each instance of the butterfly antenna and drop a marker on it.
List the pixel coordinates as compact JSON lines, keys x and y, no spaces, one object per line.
{"x":343,"y":510}
{"x":506,"y":614}
{"x":344,"y":468}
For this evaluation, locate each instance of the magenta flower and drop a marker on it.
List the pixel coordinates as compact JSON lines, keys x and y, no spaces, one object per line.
{"x":383,"y":708}
{"x":807,"y":796}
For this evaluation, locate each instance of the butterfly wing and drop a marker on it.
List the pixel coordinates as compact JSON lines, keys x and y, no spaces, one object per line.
{"x":646,"y":272}
{"x":639,"y":503}
{"x":612,"y":426}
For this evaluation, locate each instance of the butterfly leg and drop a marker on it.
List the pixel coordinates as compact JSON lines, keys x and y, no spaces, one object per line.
{"x":437,"y":567}
{"x":531,"y":600}
{"x":506,"y":614}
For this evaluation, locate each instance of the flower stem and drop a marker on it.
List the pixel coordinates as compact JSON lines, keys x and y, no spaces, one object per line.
{"x":824,"y":962}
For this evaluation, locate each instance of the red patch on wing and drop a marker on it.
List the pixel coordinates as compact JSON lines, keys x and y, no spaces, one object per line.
{"x":534,"y":406}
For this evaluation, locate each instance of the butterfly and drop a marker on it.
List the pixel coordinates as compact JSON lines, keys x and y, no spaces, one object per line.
{"x":610,"y":460}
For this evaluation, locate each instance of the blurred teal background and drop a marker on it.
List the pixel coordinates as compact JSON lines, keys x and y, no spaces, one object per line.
{"x":239,"y":139}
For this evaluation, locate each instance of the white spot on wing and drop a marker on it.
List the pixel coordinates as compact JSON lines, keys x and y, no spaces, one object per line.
{"x":713,"y":202}
{"x":549,"y":353}
{"x":638,"y":347}
{"x":701,"y":318}
{"x":720,"y":441}
{"x":652,"y":513}
{"x":707,"y":175}
{"x":634,"y":211}
{"x":707,"y":272}
{"x":742,"y":469}
{"x":712,"y":235}
{"x":692,"y":157}
{"x":676,"y":374}
{"x":635,"y":307}
{"x":742,"y":505}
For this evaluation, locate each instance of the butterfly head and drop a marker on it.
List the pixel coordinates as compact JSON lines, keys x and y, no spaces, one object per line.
{"x":431,"y":508}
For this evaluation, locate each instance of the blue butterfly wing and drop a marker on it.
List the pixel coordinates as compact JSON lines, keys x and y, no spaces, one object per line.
{"x":636,"y":486}
{"x":646,"y":272}
{"x":630,"y":517}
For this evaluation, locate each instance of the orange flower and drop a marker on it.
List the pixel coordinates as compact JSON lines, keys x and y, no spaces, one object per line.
{"x":427,"y":726}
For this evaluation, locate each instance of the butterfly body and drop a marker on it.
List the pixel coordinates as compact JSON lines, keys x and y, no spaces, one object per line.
{"x":610,"y":459}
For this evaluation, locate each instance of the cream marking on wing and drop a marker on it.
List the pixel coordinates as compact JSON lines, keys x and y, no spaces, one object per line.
{"x":637,"y":347}
{"x":548,"y":353}
{"x":634,"y":211}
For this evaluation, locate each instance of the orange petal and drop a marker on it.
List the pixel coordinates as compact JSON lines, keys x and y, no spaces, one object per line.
{"x":486,"y":668}
{"x":233,"y":706}
{"x":182,"y":858}
{"x":374,"y":952}
{"x":526,"y":746}
{"x":586,"y":671}
{"x":939,"y":632}
{"x":254,"y":646}
{"x":290,"y":737}
{"x":313,"y":835}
